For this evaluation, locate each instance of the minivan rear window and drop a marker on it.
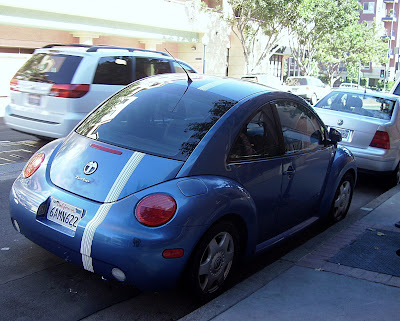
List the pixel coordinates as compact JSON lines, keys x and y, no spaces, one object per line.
{"x":165,"y":120}
{"x":49,"y":68}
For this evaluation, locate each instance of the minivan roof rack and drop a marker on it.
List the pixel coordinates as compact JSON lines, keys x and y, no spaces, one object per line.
{"x":70,"y":45}
{"x":97,"y":47}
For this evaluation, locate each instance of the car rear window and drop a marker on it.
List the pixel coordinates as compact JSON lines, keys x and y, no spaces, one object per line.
{"x":365,"y":104}
{"x":166,"y":120}
{"x":50,"y":68}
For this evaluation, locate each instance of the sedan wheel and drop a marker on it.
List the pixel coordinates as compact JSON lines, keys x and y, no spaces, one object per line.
{"x":214,"y":260}
{"x":342,"y":200}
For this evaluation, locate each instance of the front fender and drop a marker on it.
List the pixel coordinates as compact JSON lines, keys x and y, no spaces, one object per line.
{"x":342,"y":163}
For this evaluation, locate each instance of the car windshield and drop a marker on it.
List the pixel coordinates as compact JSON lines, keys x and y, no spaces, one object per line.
{"x":296,"y":81}
{"x":167,"y":120}
{"x":366,"y":104}
{"x":50,"y":68}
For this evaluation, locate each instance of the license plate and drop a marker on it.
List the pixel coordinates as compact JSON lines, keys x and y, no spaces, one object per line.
{"x":64,"y":214}
{"x":346,"y":133}
{"x":34,"y":99}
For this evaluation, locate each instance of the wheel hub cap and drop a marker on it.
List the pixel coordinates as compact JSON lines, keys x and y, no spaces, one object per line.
{"x":217,"y":263}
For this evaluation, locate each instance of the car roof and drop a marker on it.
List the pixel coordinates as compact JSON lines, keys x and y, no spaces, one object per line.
{"x":100,"y":50}
{"x":230,"y":88}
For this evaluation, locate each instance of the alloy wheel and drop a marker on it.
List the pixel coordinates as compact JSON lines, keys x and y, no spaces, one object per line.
{"x":216,"y":262}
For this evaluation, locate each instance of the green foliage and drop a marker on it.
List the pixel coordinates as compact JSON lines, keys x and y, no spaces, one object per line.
{"x":354,"y":45}
{"x":389,"y":85}
{"x":314,"y":23}
{"x":260,"y":23}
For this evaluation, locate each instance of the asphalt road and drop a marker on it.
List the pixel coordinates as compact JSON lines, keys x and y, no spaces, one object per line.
{"x":36,"y":285}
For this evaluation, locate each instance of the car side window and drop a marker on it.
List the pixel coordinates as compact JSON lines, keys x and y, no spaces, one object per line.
{"x":302,"y":130}
{"x":151,"y":66}
{"x":115,"y":70}
{"x":258,"y":138}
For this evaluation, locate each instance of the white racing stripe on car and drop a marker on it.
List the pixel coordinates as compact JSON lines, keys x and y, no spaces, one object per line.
{"x":113,"y":194}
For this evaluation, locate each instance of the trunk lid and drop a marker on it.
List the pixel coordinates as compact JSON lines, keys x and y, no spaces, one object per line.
{"x":112,"y":172}
{"x":356,"y":130}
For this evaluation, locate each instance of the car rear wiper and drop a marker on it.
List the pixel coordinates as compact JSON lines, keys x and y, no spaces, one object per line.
{"x":41,"y":80}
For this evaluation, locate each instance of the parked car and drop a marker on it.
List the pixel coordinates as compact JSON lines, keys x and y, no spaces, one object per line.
{"x":174,"y":178}
{"x":60,"y":84}
{"x":267,"y":80}
{"x":370,"y":127}
{"x":310,"y":88}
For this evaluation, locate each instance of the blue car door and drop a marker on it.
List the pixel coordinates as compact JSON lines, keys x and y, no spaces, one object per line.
{"x":305,"y":164}
{"x":255,"y":162}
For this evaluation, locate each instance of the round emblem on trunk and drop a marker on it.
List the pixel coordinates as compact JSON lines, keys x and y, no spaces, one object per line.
{"x":90,"y":167}
{"x":340,"y":122}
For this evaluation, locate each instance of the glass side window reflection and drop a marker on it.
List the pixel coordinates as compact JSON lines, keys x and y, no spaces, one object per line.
{"x":302,"y":131}
{"x":146,"y":67}
{"x":257,"y":139}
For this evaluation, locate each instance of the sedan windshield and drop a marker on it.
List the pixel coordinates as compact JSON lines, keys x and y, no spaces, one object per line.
{"x":366,"y":104}
{"x":167,"y":120}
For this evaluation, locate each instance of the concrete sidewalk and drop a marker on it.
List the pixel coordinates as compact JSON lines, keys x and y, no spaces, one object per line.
{"x":307,"y":284}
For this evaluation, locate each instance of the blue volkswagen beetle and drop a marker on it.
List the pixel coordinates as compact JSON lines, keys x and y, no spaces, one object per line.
{"x":175,"y":178}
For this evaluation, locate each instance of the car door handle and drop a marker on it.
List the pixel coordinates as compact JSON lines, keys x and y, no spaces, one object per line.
{"x":290,"y":171}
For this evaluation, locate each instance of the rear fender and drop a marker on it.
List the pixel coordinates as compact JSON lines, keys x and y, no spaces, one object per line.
{"x":204,"y":200}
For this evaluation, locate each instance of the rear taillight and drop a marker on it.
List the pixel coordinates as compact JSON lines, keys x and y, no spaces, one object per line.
{"x":69,"y":91}
{"x":380,"y":140}
{"x":33,"y":164}
{"x":14,"y":84}
{"x":155,"y":210}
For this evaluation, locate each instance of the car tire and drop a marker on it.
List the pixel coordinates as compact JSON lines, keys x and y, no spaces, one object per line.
{"x":213,"y":261}
{"x":341,"y":201}
{"x":314,"y":99}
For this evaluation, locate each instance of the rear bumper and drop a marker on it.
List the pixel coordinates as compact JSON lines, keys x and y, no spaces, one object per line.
{"x":375,"y":159}
{"x":120,"y":242}
{"x":54,"y":128}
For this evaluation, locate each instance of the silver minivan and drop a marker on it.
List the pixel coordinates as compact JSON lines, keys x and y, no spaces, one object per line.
{"x":55,"y":89}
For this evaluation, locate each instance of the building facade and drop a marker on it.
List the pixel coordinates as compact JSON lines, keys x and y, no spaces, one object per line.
{"x":385,"y":13}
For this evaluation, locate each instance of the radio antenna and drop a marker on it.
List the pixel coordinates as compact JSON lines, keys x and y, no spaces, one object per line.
{"x":187,"y":74}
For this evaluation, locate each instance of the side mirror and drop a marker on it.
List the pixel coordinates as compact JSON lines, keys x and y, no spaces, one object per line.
{"x":334,"y":135}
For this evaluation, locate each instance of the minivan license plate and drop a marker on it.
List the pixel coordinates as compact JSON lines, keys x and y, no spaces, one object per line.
{"x":34,"y":100}
{"x":64,"y":214}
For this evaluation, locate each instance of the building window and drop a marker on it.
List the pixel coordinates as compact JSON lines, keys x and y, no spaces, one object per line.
{"x":369,"y":7}
{"x":366,"y":66}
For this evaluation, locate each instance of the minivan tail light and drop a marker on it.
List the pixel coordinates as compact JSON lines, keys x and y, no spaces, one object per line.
{"x":380,"y":140}
{"x":14,"y":84}
{"x":69,"y":90}
{"x":155,"y":210}
{"x":33,"y":164}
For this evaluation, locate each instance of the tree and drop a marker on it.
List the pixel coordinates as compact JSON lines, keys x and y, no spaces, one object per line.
{"x":351,"y":47}
{"x":259,"y":26}
{"x":315,"y":21}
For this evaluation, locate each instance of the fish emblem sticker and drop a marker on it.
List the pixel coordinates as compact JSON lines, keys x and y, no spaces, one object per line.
{"x":90,"y":168}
